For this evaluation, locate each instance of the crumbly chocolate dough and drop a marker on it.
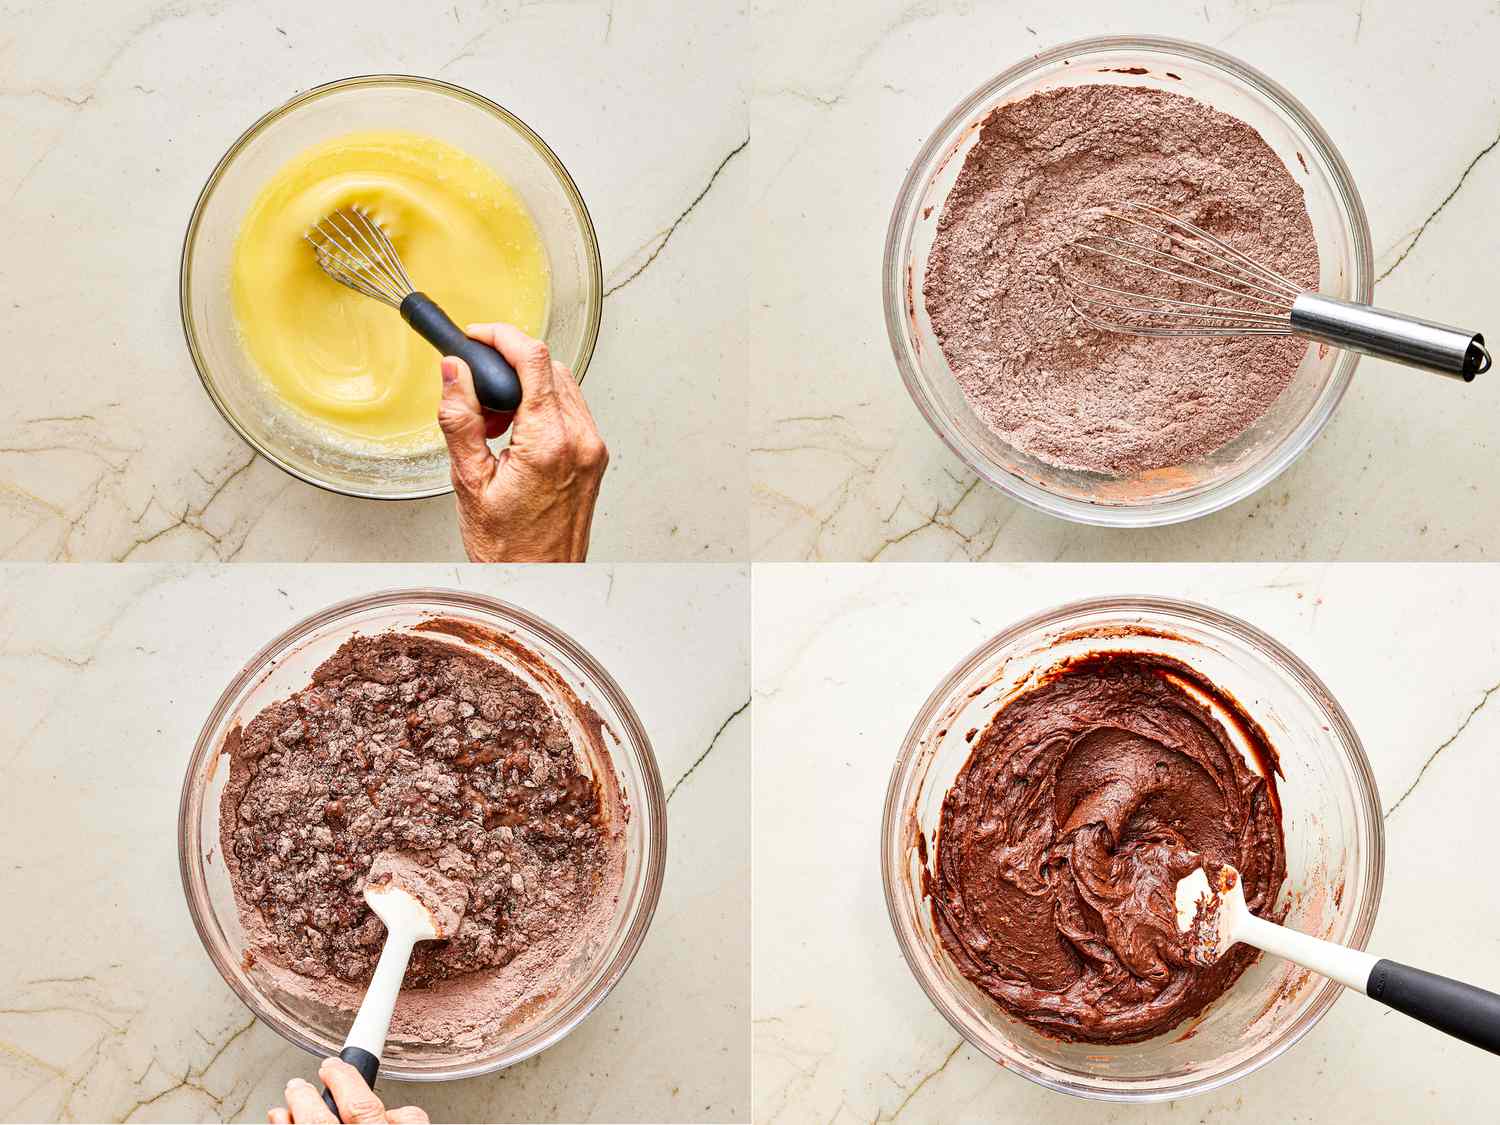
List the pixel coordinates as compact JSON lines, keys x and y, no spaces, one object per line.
{"x":1063,"y":837}
{"x":405,"y":744}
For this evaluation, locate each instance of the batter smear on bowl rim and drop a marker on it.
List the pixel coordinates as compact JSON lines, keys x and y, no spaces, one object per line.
{"x":1062,"y":839}
{"x":412,"y":745}
{"x":1050,"y":385}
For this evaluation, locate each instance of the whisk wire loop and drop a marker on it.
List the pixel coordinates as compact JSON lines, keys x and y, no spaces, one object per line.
{"x":346,"y":272}
{"x":1174,"y":274}
{"x":376,"y":242}
{"x":1192,"y":283}
{"x":1187,"y":308}
{"x":1240,"y":296}
{"x":1199,"y":240}
{"x":353,"y":250}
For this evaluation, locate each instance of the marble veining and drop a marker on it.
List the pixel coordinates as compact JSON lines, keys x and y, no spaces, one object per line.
{"x":109,"y":1008}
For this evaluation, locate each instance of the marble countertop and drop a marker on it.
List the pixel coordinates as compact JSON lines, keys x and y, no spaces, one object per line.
{"x":845,"y":468}
{"x":109,"y":1008}
{"x":844,"y":658}
{"x":114,"y":114}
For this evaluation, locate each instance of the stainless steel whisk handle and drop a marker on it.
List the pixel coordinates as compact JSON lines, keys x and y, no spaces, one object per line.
{"x":1387,"y":335}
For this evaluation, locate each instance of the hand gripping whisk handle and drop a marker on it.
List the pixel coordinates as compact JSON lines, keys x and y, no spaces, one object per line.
{"x":1387,"y":335}
{"x":495,"y":380}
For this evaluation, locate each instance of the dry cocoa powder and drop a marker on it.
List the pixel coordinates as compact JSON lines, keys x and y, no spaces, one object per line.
{"x":1050,"y":385}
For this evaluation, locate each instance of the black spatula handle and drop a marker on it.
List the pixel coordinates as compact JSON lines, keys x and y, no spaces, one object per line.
{"x":361,"y":1060}
{"x":1463,"y":1011}
{"x":495,"y":380}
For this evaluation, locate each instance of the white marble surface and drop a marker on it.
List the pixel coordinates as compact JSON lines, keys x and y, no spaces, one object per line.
{"x":845,"y":468}
{"x":113,"y":115}
{"x":845,"y":656}
{"x":110,"y":1010}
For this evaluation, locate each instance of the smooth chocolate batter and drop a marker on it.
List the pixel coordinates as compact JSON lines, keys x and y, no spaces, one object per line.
{"x":1063,"y":837}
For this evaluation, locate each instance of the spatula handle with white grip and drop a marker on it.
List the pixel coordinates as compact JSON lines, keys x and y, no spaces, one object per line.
{"x":365,"y":1042}
{"x":1350,"y":967}
{"x":1461,"y":1010}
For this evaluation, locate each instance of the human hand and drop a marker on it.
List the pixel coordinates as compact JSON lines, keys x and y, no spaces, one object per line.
{"x":535,"y":501}
{"x":355,"y":1099}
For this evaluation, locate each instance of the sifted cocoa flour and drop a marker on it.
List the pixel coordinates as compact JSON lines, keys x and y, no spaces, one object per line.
{"x":1041,"y":379}
{"x":412,"y":745}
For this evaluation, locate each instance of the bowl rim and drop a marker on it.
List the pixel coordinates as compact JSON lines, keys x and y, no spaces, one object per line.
{"x":1159,"y":512}
{"x":364,"y":81}
{"x":1367,"y":795}
{"x":634,"y":736}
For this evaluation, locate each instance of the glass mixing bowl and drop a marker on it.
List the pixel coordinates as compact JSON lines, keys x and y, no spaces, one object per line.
{"x":581,"y":693}
{"x":467,"y":121}
{"x":1330,"y":814}
{"x":1250,"y":461}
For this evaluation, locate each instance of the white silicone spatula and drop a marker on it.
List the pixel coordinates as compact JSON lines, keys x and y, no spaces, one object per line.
{"x":416,"y":903}
{"x":1212,"y":912}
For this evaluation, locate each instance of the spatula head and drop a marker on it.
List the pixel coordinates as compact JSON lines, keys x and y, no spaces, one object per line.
{"x":410,"y":895}
{"x":1207,"y":907}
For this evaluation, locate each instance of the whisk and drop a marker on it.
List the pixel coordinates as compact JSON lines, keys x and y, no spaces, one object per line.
{"x":352,"y":249}
{"x":1150,"y":273}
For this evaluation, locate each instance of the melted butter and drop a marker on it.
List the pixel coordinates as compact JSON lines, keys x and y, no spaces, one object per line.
{"x":349,"y":363}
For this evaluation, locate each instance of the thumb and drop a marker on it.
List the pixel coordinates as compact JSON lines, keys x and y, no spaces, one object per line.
{"x":462,"y":423}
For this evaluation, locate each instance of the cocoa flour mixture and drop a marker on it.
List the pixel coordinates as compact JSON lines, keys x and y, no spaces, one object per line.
{"x":410,"y":744}
{"x":1058,"y":390}
{"x":1063,"y":837}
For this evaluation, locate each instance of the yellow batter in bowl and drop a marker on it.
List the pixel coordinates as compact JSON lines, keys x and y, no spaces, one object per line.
{"x":345,"y":362}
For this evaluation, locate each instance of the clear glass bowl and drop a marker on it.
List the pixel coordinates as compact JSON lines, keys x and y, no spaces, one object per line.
{"x":1331,"y":816}
{"x":1250,"y":461}
{"x":283,"y":667}
{"x":464,"y":119}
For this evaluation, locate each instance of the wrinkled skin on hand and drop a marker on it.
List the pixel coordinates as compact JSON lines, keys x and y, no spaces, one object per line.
{"x":534,"y":501}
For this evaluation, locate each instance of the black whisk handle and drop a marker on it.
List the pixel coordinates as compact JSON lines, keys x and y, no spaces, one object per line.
{"x":495,"y":380}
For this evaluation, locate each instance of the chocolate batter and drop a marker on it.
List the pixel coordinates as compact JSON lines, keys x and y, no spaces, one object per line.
{"x":414,"y":746}
{"x":1063,"y":837}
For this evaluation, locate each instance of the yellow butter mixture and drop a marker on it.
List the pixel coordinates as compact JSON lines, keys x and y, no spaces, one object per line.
{"x":349,"y":363}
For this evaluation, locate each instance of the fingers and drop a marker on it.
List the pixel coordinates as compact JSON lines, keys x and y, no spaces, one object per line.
{"x":588,"y":449}
{"x":305,"y":1104}
{"x":463,"y":426}
{"x":529,"y":356}
{"x":279,"y":1116}
{"x":356,"y":1101}
{"x":407,"y":1115}
{"x":546,"y":384}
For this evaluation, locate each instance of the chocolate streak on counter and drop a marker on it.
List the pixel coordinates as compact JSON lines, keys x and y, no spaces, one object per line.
{"x":1063,"y":837}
